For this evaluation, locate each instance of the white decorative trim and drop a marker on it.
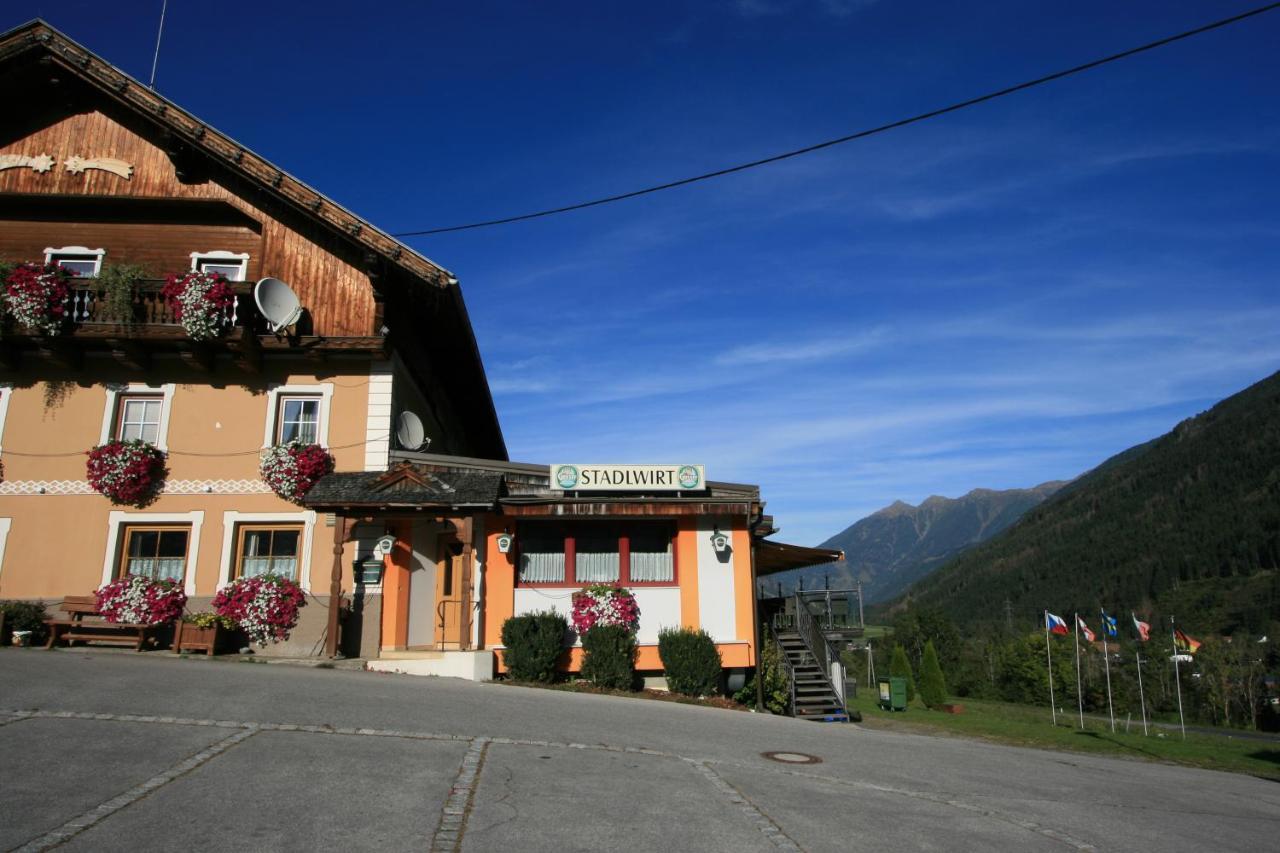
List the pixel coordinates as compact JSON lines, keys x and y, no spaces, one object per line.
{"x":166,"y":393}
{"x":5,"y":523}
{"x":231,"y":518}
{"x":38,"y":163}
{"x":223,"y":257}
{"x":323,"y":390}
{"x":170,"y":487}
{"x":117,"y":520}
{"x":98,"y":254}
{"x":377,"y":433}
{"x":6,"y":391}
{"x":76,"y":164}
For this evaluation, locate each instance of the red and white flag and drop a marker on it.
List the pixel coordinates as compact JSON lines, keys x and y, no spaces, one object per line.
{"x":1084,"y":629}
{"x":1143,"y":629}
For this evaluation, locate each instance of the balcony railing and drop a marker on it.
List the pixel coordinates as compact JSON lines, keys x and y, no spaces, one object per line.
{"x":91,"y":310}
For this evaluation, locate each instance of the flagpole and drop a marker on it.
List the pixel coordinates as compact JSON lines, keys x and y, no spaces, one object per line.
{"x":1106,"y":657}
{"x":1053,"y":707}
{"x":1177,"y":678}
{"x":1137,"y":655}
{"x":1079,"y":695}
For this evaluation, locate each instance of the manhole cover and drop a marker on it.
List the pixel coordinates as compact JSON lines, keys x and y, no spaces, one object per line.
{"x":792,"y":757}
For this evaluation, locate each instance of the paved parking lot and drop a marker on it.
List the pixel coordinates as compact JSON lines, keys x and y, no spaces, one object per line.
{"x":118,"y":751}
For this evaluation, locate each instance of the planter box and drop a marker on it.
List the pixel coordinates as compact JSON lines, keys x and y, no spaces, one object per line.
{"x":190,"y":638}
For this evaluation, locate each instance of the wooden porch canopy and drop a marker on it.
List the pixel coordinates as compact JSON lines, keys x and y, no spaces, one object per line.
{"x":451,"y":497}
{"x":773,"y":557}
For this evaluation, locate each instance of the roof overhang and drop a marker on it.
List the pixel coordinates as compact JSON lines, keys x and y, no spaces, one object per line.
{"x":774,"y":557}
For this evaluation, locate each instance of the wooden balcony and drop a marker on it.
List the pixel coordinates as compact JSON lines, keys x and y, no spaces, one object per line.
{"x":148,"y":327}
{"x":149,"y":314}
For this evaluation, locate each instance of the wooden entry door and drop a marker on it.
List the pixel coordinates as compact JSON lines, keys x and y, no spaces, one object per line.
{"x":451,"y":622}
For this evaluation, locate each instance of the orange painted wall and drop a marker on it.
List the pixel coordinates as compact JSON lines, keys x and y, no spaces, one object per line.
{"x":744,"y":589}
{"x":499,"y":583}
{"x":687,"y":559}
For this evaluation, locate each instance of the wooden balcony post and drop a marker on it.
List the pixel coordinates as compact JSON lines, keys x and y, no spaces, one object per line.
{"x":342,"y":527}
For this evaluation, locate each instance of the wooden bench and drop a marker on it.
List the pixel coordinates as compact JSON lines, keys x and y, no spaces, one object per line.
{"x":95,"y":629}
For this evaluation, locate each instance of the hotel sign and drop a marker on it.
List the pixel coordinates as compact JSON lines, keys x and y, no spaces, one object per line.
{"x":628,"y":478}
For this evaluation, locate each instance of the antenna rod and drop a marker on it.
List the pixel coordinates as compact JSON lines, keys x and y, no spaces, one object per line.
{"x":159,"y":33}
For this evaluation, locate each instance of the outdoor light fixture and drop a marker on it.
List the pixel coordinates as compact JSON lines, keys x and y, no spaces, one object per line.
{"x":719,"y":541}
{"x":505,"y":541}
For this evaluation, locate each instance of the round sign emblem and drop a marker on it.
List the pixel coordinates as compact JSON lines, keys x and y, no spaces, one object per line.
{"x":688,"y":477}
{"x":566,"y":476}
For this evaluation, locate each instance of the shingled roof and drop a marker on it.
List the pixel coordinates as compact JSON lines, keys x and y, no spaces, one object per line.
{"x":404,"y":485}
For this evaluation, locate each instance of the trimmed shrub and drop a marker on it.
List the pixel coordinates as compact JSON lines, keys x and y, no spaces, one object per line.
{"x":23,"y":616}
{"x":691,"y":661}
{"x":610,"y":657}
{"x":534,"y":643}
{"x":899,"y":667}
{"x":933,"y":687}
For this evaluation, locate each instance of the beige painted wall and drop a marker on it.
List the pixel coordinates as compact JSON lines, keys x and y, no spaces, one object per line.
{"x":57,"y":543}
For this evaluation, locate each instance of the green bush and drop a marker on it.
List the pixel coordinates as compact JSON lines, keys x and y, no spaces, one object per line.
{"x":610,"y":657}
{"x":899,"y":667}
{"x":23,"y":616}
{"x":933,"y":687}
{"x":534,"y":643}
{"x":691,"y":661}
{"x":777,"y":691}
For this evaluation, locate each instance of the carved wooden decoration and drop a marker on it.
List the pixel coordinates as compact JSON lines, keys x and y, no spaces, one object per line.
{"x":38,"y":163}
{"x":77,"y":164}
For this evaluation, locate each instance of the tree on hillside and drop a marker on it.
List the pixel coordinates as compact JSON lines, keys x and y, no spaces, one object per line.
{"x":900,"y":667}
{"x":933,"y":688}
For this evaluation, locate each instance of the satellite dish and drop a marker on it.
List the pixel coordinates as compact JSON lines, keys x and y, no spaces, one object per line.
{"x":277,"y":302}
{"x":410,"y":433}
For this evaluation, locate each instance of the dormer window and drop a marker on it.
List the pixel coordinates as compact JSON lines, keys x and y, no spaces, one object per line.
{"x":230,"y":264}
{"x":83,"y":261}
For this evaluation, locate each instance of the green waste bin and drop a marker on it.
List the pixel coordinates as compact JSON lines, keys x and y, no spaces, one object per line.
{"x":893,"y":694}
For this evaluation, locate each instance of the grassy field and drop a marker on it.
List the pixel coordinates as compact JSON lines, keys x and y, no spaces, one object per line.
{"x":1024,"y":725}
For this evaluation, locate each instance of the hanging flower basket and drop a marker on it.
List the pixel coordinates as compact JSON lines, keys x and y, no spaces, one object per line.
{"x":604,"y":604}
{"x":127,"y":472}
{"x":141,"y":601}
{"x":201,"y":303}
{"x":292,"y":469}
{"x":38,"y":296}
{"x":265,"y":607}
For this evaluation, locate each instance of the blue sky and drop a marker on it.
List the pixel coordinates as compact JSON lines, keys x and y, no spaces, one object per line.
{"x":1001,"y":297}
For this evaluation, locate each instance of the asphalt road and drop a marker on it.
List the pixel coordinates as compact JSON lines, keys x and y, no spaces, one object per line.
{"x":120,"y":751}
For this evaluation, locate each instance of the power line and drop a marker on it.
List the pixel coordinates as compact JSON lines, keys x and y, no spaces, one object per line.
{"x":862,"y":134}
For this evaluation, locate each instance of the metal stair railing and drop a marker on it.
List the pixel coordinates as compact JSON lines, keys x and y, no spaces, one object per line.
{"x":821,"y":649}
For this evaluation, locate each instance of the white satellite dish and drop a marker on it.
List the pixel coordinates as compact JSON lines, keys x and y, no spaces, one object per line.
{"x":277,"y":302}
{"x":410,"y":433}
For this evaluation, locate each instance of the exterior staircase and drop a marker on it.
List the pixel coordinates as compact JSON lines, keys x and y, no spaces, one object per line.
{"x":814,"y":698}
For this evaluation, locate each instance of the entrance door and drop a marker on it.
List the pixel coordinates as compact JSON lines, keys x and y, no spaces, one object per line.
{"x":449,"y":616}
{"x":423,"y":571}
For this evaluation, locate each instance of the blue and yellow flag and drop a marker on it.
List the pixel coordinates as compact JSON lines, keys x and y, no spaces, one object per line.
{"x":1109,"y":624}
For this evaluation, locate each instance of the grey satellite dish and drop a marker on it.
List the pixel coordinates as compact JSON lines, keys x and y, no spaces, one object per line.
{"x":277,"y":302}
{"x":410,"y":433}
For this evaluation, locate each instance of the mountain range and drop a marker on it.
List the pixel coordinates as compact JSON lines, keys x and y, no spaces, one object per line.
{"x":1187,"y":524}
{"x":894,"y":547}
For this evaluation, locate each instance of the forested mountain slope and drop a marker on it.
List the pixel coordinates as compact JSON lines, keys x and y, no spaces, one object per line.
{"x":1188,"y":524}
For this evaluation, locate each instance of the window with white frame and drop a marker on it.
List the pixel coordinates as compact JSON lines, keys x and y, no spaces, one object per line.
{"x":298,"y":419}
{"x":138,"y":411}
{"x":298,"y":413}
{"x":81,"y":260}
{"x":138,"y":417}
{"x":234,"y":266}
